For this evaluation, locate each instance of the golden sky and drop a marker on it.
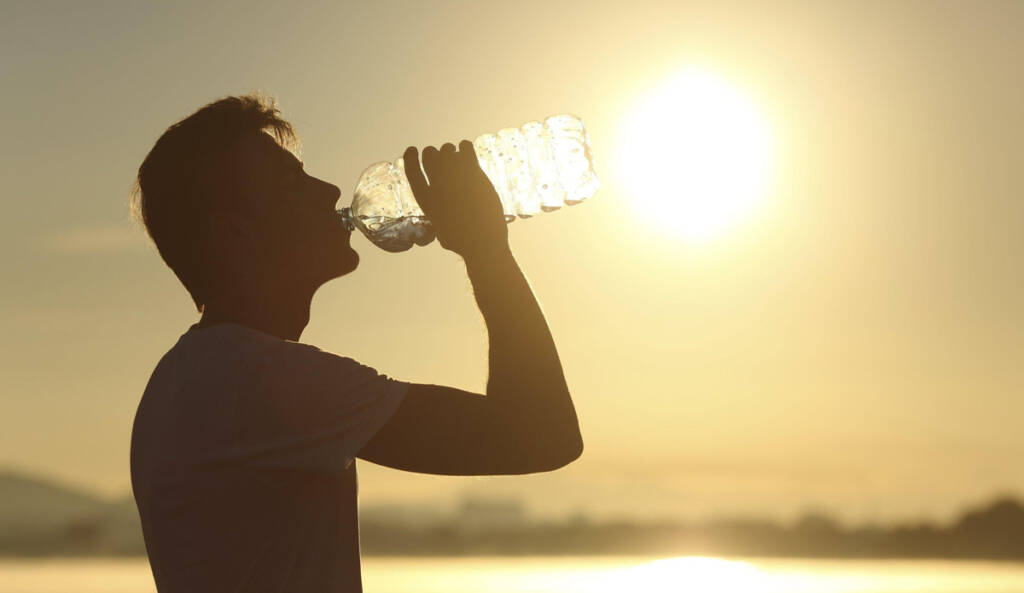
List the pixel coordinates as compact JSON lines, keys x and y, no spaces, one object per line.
{"x":853,"y":342}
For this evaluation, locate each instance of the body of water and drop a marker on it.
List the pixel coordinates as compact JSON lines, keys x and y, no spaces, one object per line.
{"x":693,"y":574}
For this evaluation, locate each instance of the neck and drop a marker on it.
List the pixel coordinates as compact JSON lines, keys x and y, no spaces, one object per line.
{"x":276,"y":309}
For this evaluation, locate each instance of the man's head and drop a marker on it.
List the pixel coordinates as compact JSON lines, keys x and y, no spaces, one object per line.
{"x":223,"y":199}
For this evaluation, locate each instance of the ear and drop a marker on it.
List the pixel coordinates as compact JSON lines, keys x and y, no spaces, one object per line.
{"x":232,"y":225}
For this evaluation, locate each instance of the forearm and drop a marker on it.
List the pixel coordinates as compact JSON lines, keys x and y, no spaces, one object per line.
{"x":525,"y":374}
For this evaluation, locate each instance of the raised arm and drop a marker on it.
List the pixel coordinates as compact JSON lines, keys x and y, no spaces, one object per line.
{"x":527,"y":422}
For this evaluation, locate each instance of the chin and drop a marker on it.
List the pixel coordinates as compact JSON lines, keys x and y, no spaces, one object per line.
{"x":348,"y":265}
{"x":328,"y":263}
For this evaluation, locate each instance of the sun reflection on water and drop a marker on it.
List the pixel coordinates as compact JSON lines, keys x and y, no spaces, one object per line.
{"x":574,"y":574}
{"x":695,"y":573}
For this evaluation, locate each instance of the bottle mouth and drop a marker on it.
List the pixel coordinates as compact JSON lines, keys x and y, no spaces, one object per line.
{"x":346,"y":219}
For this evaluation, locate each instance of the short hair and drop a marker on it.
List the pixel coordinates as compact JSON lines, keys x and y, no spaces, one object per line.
{"x":174,"y":190}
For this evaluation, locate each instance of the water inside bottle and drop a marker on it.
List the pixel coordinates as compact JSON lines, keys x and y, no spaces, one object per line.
{"x":396,"y":233}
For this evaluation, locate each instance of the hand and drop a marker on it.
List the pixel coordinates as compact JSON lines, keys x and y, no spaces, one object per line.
{"x":459,"y":201}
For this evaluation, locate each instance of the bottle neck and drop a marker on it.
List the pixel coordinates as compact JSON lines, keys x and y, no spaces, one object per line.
{"x":346,"y":218}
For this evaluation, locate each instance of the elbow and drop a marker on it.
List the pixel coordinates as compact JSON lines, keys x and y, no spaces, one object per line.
{"x":549,"y":446}
{"x":575,"y":452}
{"x":563,"y":455}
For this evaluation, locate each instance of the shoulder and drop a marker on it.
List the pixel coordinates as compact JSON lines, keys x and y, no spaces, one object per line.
{"x":307,"y":365}
{"x":273,"y":360}
{"x":222,"y":358}
{"x":236,"y":357}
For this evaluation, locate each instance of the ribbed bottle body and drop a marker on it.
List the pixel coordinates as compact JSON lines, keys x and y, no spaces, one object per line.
{"x":538,"y":167}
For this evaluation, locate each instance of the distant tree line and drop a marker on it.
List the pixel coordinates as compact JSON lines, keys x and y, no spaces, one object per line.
{"x":993,"y":532}
{"x":39,"y":518}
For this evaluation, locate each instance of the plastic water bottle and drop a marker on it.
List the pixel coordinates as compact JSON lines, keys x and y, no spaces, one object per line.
{"x":538,"y":167}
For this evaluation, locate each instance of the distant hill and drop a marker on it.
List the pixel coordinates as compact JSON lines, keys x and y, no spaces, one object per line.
{"x":36,"y":501}
{"x":42,"y":517}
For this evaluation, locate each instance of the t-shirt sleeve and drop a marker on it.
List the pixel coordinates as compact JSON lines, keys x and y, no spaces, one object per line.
{"x":313,"y":409}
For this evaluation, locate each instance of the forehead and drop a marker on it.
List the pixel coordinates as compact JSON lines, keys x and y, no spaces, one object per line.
{"x":259,"y":154}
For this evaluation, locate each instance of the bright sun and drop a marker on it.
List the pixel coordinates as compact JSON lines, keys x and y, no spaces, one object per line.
{"x":696,"y":155}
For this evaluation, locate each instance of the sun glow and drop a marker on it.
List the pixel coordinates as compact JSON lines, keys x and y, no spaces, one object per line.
{"x":695,"y":154}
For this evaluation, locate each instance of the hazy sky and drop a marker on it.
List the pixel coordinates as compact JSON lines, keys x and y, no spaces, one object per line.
{"x":854,"y":344}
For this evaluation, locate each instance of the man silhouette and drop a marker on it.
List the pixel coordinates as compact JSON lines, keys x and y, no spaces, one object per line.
{"x":244,"y":442}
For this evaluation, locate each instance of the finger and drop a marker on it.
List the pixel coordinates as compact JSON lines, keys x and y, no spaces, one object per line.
{"x":467,"y":151}
{"x":430,"y":159}
{"x":448,"y":152}
{"x":414,"y":174}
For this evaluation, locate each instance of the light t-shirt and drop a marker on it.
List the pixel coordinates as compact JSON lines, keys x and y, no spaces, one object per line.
{"x":242,"y":463}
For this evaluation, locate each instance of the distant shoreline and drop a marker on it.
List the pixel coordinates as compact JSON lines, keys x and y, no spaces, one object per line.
{"x":39,"y":519}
